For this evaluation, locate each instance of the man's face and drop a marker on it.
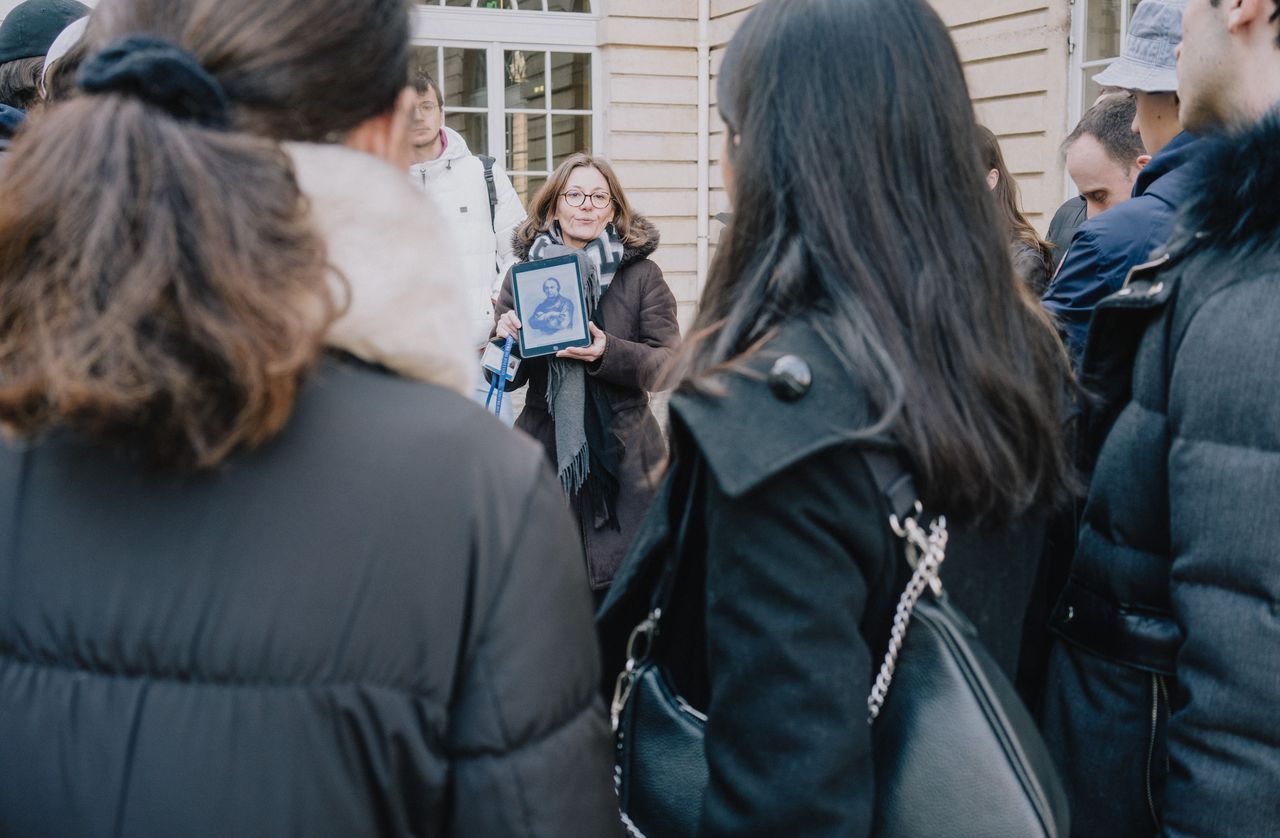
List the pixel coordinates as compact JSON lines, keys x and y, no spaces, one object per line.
{"x":1206,"y":75}
{"x":551,"y":288}
{"x":1101,"y":180}
{"x":428,"y":118}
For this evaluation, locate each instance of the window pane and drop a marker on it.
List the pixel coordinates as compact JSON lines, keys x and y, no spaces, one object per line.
{"x":424,"y":61}
{"x":569,"y":134}
{"x":570,"y":81}
{"x":474,"y":128}
{"x":464,"y":78}
{"x":1103,"y":38}
{"x":527,"y":186}
{"x":526,"y":81}
{"x":526,"y":142}
{"x":1092,"y":90}
{"x":531,"y":5}
{"x":568,"y":6}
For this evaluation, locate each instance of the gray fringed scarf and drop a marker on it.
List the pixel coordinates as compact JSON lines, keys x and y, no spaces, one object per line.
{"x":566,"y":382}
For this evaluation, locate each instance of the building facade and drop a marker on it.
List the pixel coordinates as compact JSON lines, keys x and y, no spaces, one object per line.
{"x":532,"y":81}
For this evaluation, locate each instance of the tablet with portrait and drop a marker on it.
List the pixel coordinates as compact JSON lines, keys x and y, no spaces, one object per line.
{"x":551,"y":305}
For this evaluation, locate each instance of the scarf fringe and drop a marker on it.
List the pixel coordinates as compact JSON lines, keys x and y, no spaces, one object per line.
{"x":574,"y":475}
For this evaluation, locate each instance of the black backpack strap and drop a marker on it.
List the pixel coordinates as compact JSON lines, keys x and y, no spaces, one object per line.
{"x":488,"y":163}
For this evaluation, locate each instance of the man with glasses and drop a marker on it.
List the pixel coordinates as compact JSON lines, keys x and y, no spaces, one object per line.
{"x":477,"y":200}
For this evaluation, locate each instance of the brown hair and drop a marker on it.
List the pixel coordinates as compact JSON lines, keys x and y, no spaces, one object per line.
{"x":1007,"y":198}
{"x":162,"y":289}
{"x":542,"y":209}
{"x":60,"y":78}
{"x":1110,"y":122}
{"x":19,"y":82}
{"x":422,"y":81}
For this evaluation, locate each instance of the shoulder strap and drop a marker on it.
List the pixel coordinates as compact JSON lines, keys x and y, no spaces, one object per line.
{"x":894,"y":480}
{"x":488,"y":163}
{"x":666,"y":582}
{"x":890,"y":473}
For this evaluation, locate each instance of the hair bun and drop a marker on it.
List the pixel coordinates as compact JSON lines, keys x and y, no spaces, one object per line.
{"x":160,"y":73}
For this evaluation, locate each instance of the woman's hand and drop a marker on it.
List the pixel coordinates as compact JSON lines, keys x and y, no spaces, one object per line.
{"x":508,"y":326}
{"x":587,"y":354}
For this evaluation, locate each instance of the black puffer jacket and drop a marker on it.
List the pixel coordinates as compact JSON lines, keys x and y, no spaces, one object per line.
{"x":1161,"y":696}
{"x":376,"y":624}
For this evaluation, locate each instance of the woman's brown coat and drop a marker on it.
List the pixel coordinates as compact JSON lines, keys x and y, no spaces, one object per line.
{"x":639,"y":314}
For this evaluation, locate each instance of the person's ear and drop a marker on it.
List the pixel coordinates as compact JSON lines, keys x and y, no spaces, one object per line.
{"x":387,"y":135}
{"x":1241,"y":13}
{"x":1142,"y":161}
{"x":993,"y":179}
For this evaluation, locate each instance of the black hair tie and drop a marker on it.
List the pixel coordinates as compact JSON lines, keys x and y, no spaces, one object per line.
{"x":160,"y":73}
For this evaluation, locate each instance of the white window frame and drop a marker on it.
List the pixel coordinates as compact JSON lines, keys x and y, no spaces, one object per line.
{"x":500,"y":30}
{"x":1080,"y":48}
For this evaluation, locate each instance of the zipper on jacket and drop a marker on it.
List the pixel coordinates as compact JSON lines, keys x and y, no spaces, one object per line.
{"x":1157,"y":690}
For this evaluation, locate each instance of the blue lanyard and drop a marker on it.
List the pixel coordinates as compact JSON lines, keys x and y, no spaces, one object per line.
{"x":500,"y":383}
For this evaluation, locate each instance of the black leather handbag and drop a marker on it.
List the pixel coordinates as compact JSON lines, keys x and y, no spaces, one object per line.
{"x":956,"y":753}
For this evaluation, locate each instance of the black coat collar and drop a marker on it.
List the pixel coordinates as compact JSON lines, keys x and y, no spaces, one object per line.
{"x":749,"y":433}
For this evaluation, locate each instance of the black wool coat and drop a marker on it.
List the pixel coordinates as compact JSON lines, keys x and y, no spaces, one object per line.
{"x":328,"y":636}
{"x":1162,"y":689}
{"x":788,"y":584}
{"x":639,"y":314}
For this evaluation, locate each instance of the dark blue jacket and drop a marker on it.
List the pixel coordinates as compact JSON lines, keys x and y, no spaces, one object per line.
{"x":1161,"y":696}
{"x":1108,"y":246}
{"x":10,"y":119}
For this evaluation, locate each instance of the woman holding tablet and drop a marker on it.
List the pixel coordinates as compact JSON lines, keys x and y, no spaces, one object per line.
{"x":589,"y":405}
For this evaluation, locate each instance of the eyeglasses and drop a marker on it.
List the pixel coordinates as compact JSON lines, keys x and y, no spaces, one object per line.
{"x":576,"y":198}
{"x":426,"y":107}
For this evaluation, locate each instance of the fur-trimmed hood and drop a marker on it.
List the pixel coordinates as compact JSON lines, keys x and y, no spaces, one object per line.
{"x":632,"y":253}
{"x":407,"y":305}
{"x":1233,"y":204}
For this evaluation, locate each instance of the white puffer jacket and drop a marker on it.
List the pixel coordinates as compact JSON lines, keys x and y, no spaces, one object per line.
{"x":456,"y":183}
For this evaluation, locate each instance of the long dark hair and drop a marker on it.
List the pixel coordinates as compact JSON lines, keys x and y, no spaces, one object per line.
{"x":162,"y":288}
{"x":1007,"y":198}
{"x":860,"y":207}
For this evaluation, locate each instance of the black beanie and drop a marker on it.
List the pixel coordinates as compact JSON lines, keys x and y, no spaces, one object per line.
{"x":30,"y":29}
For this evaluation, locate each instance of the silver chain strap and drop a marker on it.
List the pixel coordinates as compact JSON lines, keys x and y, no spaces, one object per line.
{"x":925,"y":553}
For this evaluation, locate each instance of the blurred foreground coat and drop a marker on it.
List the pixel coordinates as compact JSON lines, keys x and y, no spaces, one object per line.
{"x":375,"y":624}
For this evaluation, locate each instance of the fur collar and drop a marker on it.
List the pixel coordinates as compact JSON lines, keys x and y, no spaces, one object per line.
{"x":407,"y":308}
{"x":633,"y":253}
{"x":1233,"y":204}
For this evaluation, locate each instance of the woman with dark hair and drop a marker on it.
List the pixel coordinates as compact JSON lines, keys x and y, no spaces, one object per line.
{"x":589,"y":407}
{"x":862,"y":298}
{"x":1032,"y":255}
{"x":251,"y":587}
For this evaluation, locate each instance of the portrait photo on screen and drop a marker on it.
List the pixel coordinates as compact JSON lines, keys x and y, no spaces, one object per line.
{"x":550,"y":305}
